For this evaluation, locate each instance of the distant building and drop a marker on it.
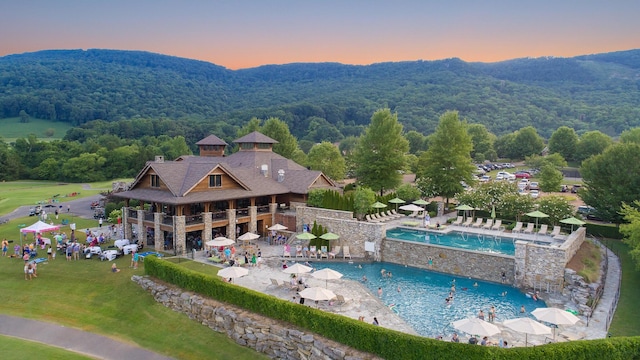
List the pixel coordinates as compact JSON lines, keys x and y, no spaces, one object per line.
{"x":203,"y":196}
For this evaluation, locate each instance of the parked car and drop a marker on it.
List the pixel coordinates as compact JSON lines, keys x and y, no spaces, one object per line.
{"x":522,"y":175}
{"x":485,"y":178}
{"x":534,"y":185}
{"x":564,"y":188}
{"x":534,"y":193}
{"x":35,"y":210}
{"x":575,"y":188}
{"x":523,"y":184}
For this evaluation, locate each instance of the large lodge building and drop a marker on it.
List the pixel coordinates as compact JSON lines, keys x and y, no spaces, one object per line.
{"x":212,"y":194}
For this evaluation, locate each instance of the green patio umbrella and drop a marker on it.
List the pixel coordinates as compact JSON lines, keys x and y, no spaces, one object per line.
{"x":306,"y":236}
{"x":378,"y":205}
{"x":493,"y":212}
{"x":421,"y":202}
{"x":397,"y":201}
{"x":572,"y":221}
{"x":329,"y":236}
{"x":464,"y":208}
{"x":537,"y":214}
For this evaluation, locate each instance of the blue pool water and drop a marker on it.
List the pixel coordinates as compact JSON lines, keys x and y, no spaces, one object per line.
{"x":467,"y":241}
{"x":421,"y":299}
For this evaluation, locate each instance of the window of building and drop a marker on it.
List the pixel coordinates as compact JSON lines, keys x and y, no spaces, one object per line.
{"x":155,"y":181}
{"x":264,"y":146}
{"x":246,"y":146}
{"x":215,"y":180}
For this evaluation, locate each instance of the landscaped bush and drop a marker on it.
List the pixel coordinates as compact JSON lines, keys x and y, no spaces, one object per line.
{"x":605,"y":231}
{"x":386,"y":343}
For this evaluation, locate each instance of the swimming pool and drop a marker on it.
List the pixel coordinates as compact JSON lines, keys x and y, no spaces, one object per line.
{"x":421,"y":299}
{"x":467,"y":241}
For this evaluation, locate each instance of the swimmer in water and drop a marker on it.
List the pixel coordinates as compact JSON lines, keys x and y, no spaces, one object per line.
{"x":398,"y":288}
{"x":475,"y":284}
{"x":504,"y":293}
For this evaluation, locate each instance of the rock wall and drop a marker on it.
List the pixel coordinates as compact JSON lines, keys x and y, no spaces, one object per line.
{"x":276,"y":339}
{"x":479,"y":265}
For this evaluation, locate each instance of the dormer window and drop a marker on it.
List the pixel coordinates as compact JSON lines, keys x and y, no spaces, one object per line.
{"x":215,"y":181}
{"x":155,"y":181}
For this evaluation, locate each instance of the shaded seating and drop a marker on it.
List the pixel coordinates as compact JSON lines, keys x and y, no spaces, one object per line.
{"x":543,"y":229}
{"x":477,"y":223}
{"x":529,"y":229}
{"x":468,"y":222}
{"x":312,"y":252}
{"x":556,"y":231}
{"x":415,"y":214}
{"x":488,"y":225}
{"x":518,"y":227}
{"x":394,"y":213}
{"x":497,"y":225}
{"x":299,"y":251}
{"x":323,"y":252}
{"x":335,"y":251}
{"x":345,"y":252}
{"x":458,"y":221}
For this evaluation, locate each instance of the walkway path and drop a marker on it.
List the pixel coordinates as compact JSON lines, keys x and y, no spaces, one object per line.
{"x":78,"y":341}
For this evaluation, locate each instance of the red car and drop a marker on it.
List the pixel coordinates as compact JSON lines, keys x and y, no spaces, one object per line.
{"x":522,"y":175}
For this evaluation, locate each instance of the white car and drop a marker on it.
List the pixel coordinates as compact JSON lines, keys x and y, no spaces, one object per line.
{"x":534,"y":185}
{"x":505,"y":175}
{"x":534,"y":193}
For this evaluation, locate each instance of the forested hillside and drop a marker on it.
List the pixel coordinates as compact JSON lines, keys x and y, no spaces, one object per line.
{"x":324,"y":101}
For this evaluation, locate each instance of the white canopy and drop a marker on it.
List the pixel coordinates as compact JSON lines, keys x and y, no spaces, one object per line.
{"x":39,"y":227}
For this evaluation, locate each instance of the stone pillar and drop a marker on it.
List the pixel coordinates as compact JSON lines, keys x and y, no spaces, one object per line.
{"x":126,"y":227}
{"x":206,"y":232}
{"x":253,"y":219}
{"x":142,"y":232}
{"x":440,"y":208}
{"x":158,"y":240}
{"x":157,"y":221}
{"x":520,"y":263}
{"x":180,"y":235}
{"x":231,"y":227}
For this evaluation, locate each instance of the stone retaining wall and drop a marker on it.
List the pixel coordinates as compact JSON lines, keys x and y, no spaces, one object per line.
{"x":276,"y":339}
{"x":479,"y":265}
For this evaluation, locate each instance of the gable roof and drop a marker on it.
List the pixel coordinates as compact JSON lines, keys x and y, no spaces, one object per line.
{"x":255,"y":137}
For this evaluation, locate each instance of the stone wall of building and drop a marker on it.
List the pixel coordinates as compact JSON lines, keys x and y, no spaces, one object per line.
{"x":276,"y":339}
{"x":479,"y":265}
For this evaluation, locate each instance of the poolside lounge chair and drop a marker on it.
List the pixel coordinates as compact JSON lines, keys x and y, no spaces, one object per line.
{"x":323,"y":252}
{"x":477,"y":223}
{"x":276,"y":283}
{"x":369,"y":218}
{"x":312,"y":252}
{"x":556,"y":231}
{"x":394,"y":213}
{"x":468,"y":222}
{"x":517,"y":228}
{"x":458,"y":221}
{"x":346,"y":253}
{"x":413,"y":214}
{"x":335,"y":251}
{"x":497,"y":225}
{"x":389,"y":215}
{"x":488,"y":225}
{"x":340,"y":299}
{"x":299,"y":251}
{"x":543,"y":229}
{"x":529,"y":229}
{"x":286,"y":251}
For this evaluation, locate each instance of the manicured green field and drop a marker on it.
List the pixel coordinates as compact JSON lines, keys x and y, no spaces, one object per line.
{"x":17,"y":349}
{"x":625,"y":322}
{"x":12,"y":128}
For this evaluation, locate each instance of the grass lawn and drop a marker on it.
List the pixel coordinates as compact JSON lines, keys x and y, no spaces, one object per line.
{"x":17,"y":349}
{"x":17,"y":193}
{"x":12,"y":128}
{"x":625,"y":321}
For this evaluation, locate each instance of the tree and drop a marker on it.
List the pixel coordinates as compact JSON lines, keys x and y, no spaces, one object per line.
{"x":248,"y":128}
{"x":447,"y":162}
{"x":527,"y":142}
{"x":24,"y":117}
{"x":611,"y":179}
{"x":564,"y":141}
{"x":504,"y":146}
{"x":417,"y":142}
{"x":550,"y":178}
{"x":380,"y":152}
{"x":592,"y":143}
{"x":279,"y":130}
{"x":537,"y":161}
{"x":557,"y":207}
{"x":483,"y":142}
{"x":362,"y":201}
{"x":326,"y":157}
{"x":631,"y":136}
{"x":631,"y":229}
{"x":408,"y":192}
{"x":516,"y":205}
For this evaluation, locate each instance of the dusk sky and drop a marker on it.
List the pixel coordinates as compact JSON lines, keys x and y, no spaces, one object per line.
{"x":241,"y":34}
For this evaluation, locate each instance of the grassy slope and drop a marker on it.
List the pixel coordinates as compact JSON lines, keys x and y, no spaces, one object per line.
{"x":17,"y":349}
{"x":625,"y":321}
{"x":12,"y":128}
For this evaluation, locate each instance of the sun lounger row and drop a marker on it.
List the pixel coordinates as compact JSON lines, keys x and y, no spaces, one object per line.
{"x":530,"y":229}
{"x":479,"y":223}
{"x":322,"y":253}
{"x":382,"y":216}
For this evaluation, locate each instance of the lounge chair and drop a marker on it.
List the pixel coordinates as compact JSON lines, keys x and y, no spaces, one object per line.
{"x":275,"y":282}
{"x":488,"y":225}
{"x":477,"y":223}
{"x":556,"y":231}
{"x":458,"y":221}
{"x":529,"y":229}
{"x":393,"y":214}
{"x":299,"y":251}
{"x":340,"y":299}
{"x":468,"y":222}
{"x":543,"y":229}
{"x":345,"y":252}
{"x":286,"y":251}
{"x":335,"y":251}
{"x":414,"y":214}
{"x":368,"y":218}
{"x":323,"y":252}
{"x":389,"y":215}
{"x":312,"y":252}
{"x":517,"y":228}
{"x":497,"y":225}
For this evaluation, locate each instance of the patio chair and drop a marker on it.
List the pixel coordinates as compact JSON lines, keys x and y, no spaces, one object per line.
{"x":368,"y":218}
{"x":529,"y":229}
{"x":393,"y":214}
{"x":335,"y":251}
{"x":543,"y":229}
{"x":323,"y":252}
{"x":340,"y":299}
{"x":518,"y":227}
{"x":276,"y":283}
{"x":488,"y":225}
{"x":477,"y":223}
{"x":312,"y":252}
{"x":497,"y":225}
{"x":346,"y":253}
{"x":286,"y":251}
{"x":468,"y":222}
{"x":458,"y":221}
{"x":556,"y":231}
{"x":299,"y":251}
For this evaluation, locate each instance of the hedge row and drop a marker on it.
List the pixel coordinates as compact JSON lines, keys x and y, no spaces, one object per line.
{"x":386,"y":343}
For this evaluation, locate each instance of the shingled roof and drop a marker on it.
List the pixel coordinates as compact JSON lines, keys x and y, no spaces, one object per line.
{"x":211,"y":140}
{"x":255,"y":137}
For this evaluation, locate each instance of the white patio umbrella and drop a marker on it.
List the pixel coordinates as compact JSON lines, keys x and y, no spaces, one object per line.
{"x":248,"y":236}
{"x":411,"y":207}
{"x":326,"y":274}
{"x":233,"y":272}
{"x":555,"y":316}
{"x":527,"y":326}
{"x":297,"y":268}
{"x":317,"y":294}
{"x":475,"y":326}
{"x":277,"y":227}
{"x":220,"y":241}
